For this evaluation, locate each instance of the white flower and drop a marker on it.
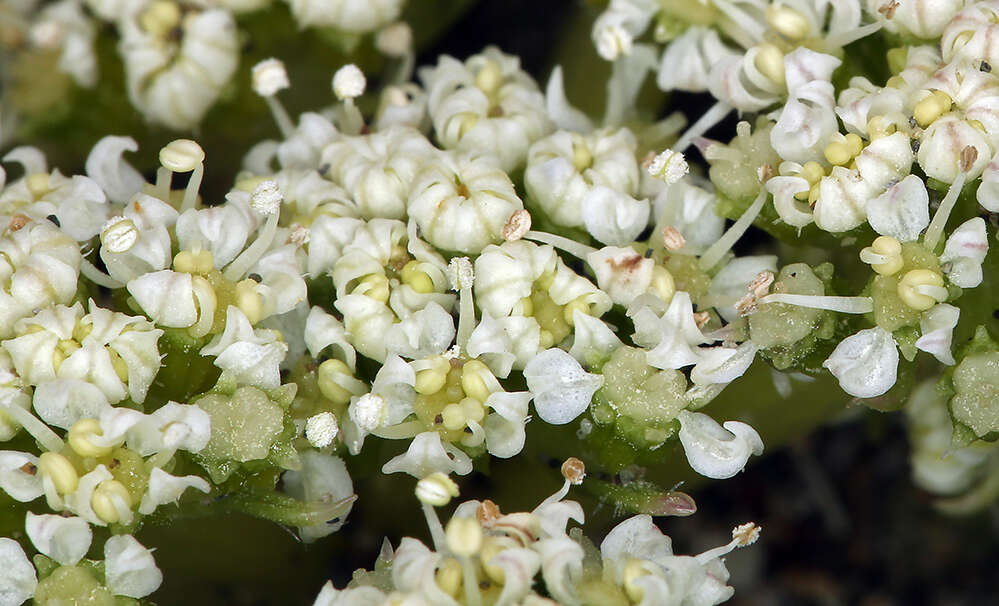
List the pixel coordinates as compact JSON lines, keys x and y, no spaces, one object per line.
{"x":866,"y":363}
{"x":563,"y":168}
{"x":402,"y":105}
{"x":721,"y":365}
{"x":323,"y":330}
{"x":505,"y":343}
{"x":251,"y":356}
{"x":322,"y":479}
{"x":691,"y":211}
{"x":968,"y":36}
{"x":713,"y":451}
{"x":612,"y":217}
{"x":63,"y":402}
{"x":129,"y":568}
{"x":221,"y":230}
{"x":169,"y":428}
{"x":924,"y":19}
{"x":302,"y":150}
{"x":358,"y":16}
{"x":937,"y":328}
{"x":637,"y":537}
{"x":461,"y":204}
{"x":377,"y":169}
{"x":673,"y":338}
{"x":622,"y":22}
{"x":504,"y":426}
{"x":427,"y":454}
{"x":174,"y":84}
{"x":486,"y":105}
{"x":167,"y":297}
{"x":732,"y":282}
{"x":593,"y":339}
{"x":17,"y":575}
{"x":41,"y":265}
{"x":562,"y":389}
{"x":806,"y":122}
{"x":148,"y":246}
{"x":65,"y":540}
{"x":65,"y":27}
{"x":687,"y":60}
{"x":988,"y":191}
{"x":621,"y":272}
{"x":964,"y":253}
{"x":165,"y":488}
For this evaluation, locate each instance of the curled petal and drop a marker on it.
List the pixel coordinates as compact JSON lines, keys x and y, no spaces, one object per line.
{"x":129,"y":568}
{"x":562,"y":389}
{"x":65,"y":540}
{"x":427,"y":454}
{"x":865,"y":363}
{"x":902,"y":212}
{"x":937,"y":326}
{"x":714,"y":451}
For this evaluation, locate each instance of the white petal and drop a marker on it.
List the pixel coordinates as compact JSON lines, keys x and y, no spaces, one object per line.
{"x":165,"y":488}
{"x":715,"y":452}
{"x":964,"y":252}
{"x":937,"y":325}
{"x":129,"y":568}
{"x":902,"y":212}
{"x":17,"y":483}
{"x":17,"y":576}
{"x":562,"y":389}
{"x":720,"y":365}
{"x":613,"y":217}
{"x":63,"y":402}
{"x":637,"y":537}
{"x":865,"y":363}
{"x":426,"y":454}
{"x":65,"y":540}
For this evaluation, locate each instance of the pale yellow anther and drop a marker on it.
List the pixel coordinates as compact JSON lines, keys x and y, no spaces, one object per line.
{"x":436,"y":490}
{"x":248,"y":184}
{"x":82,"y":330}
{"x":787,"y":22}
{"x":473,"y":409}
{"x":879,"y":126}
{"x":431,"y":380}
{"x":58,"y":469}
{"x":416,"y":278}
{"x":633,"y":570}
{"x":375,"y":286}
{"x":448,"y":576}
{"x":662,"y":283}
{"x":466,"y":122}
{"x":770,"y":61}
{"x":524,"y":307}
{"x":194,"y":262}
{"x":249,"y":300}
{"x":160,"y":18}
{"x":491,"y":547}
{"x":931,"y":108}
{"x":884,"y":255}
{"x":38,"y":185}
{"x":119,"y":365}
{"x":813,"y":194}
{"x":80,"y":435}
{"x":568,"y":312}
{"x":581,"y":156}
{"x":328,"y":376}
{"x":812,"y":172}
{"x":489,"y":78}
{"x":854,"y":143}
{"x":921,"y":289}
{"x":463,"y":536}
{"x":838,"y":153}
{"x":472,"y":382}
{"x":182,"y":155}
{"x":102,"y":501}
{"x":453,"y":417}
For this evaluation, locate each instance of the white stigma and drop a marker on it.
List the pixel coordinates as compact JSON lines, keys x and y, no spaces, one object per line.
{"x":349,"y":82}
{"x":269,"y":77}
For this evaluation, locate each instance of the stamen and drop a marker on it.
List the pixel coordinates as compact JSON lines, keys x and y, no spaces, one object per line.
{"x":266,"y":199}
{"x":44,"y":435}
{"x":711,"y":117}
{"x":348,"y":83}
{"x":714,"y":254}
{"x":181,"y":156}
{"x":269,"y":77}
{"x":846,"y":305}
{"x":932,"y":236}
{"x":98,"y":277}
{"x":462,"y":277}
{"x":576,"y":249}
{"x":743,"y":535}
{"x":844,"y":38}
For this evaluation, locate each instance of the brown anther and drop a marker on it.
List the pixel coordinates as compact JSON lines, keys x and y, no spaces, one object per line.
{"x":746,"y":305}
{"x":28,"y":468}
{"x":18,"y":221}
{"x":760,"y":285}
{"x":298,"y":235}
{"x":574,"y":471}
{"x":765,"y":172}
{"x":968,"y":157}
{"x":888,"y":8}
{"x":701,"y":318}
{"x":672,"y":238}
{"x":517,"y":225}
{"x":487,"y":512}
{"x":114,"y":464}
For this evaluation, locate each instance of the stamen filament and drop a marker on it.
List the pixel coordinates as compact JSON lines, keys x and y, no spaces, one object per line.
{"x":191,"y":191}
{"x":576,"y":249}
{"x":711,"y":117}
{"x":98,"y":277}
{"x":253,"y":252}
{"x":434,"y":524}
{"x":847,"y":305}
{"x":714,"y":254}
{"x":284,"y":123}
{"x":49,"y":439}
{"x":936,"y":227}
{"x":843,"y":38}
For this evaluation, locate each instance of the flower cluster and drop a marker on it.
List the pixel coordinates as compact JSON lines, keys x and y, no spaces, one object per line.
{"x":440,"y":262}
